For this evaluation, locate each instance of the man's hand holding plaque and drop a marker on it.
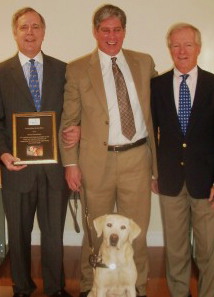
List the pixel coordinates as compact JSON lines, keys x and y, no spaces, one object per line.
{"x":9,"y":161}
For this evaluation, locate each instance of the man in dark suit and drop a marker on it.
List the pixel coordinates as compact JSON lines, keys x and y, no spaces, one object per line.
{"x":186,"y":161}
{"x":115,"y":169}
{"x":32,"y":188}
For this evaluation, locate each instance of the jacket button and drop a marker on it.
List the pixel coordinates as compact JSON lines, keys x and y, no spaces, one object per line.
{"x":182,"y":163}
{"x":184,"y":145}
{"x":105,"y":143}
{"x":107,"y":122}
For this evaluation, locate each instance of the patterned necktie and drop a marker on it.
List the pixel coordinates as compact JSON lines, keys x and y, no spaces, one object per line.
{"x":184,"y":108}
{"x":34,"y":85}
{"x":126,"y":113}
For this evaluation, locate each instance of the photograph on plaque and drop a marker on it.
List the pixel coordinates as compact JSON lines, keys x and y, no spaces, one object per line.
{"x":34,"y":138}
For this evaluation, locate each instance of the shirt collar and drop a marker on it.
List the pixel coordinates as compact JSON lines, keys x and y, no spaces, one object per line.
{"x":24,"y":59}
{"x":105,"y":59}
{"x":192,"y":72}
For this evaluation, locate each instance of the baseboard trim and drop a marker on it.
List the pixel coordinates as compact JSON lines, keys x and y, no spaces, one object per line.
{"x":71,"y":238}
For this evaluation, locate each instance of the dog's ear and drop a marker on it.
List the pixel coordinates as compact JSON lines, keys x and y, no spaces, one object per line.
{"x":98,"y":224}
{"x":135,"y":230}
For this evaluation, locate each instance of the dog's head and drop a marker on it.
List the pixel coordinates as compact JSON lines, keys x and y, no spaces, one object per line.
{"x":116,"y":229}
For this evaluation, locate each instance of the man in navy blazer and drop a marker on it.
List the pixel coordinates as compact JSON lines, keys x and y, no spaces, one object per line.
{"x":34,"y":188}
{"x":186,"y":164}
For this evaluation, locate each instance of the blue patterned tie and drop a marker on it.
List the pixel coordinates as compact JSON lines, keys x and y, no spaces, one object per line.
{"x":34,"y":85}
{"x":184,"y":108}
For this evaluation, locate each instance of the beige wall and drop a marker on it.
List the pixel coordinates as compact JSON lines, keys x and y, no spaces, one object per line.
{"x":69,"y":36}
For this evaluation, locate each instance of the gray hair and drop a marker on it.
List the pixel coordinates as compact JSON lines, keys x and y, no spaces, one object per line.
{"x":23,"y":11}
{"x":181,"y":26}
{"x":107,"y":11}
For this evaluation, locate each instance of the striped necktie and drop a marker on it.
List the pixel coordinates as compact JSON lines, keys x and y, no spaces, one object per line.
{"x":184,"y":108}
{"x":34,"y":85}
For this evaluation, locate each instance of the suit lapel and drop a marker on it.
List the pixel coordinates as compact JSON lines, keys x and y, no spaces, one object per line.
{"x":19,"y":78}
{"x":95,"y":74}
{"x":47,"y":82}
{"x":136,"y":72}
{"x":138,"y":78}
{"x":169,"y":96}
{"x":198,"y":100}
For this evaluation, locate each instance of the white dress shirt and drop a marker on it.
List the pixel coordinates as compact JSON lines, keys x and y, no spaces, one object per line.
{"x":115,"y":133}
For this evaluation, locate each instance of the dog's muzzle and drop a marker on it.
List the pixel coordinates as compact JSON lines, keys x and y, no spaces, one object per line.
{"x":114,"y":238}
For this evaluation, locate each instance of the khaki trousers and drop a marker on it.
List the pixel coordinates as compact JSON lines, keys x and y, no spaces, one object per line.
{"x":126,"y":185}
{"x":179,"y":214}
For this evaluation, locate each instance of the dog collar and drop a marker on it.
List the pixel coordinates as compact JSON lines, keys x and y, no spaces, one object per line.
{"x":96,"y":261}
{"x":110,"y":266}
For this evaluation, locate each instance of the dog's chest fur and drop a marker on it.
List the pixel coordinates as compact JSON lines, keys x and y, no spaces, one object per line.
{"x":118,"y":278}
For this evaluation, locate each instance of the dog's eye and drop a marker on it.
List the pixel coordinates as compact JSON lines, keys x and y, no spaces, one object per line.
{"x":123,"y":227}
{"x":109,"y":225}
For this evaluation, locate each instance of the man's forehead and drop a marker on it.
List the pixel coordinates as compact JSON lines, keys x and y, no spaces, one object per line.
{"x":29,"y":17}
{"x":110,"y":27}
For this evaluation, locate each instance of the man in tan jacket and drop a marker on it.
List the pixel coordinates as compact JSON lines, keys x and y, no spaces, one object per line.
{"x":114,"y":171}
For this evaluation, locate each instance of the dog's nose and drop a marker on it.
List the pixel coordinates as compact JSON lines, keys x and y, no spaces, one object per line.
{"x":114,"y":239}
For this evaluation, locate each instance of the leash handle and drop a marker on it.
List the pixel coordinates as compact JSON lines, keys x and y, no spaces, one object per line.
{"x":74,"y":211}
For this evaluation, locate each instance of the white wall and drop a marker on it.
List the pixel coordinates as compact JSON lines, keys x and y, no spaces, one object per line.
{"x":68,"y":36}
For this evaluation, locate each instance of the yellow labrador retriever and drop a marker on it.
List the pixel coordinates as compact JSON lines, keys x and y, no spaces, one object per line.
{"x":116,"y":274}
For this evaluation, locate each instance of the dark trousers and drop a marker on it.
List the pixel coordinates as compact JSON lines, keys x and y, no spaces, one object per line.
{"x":20,"y":208}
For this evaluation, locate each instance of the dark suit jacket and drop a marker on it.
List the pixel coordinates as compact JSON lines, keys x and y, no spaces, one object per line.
{"x":16,"y":97}
{"x":189,"y":158}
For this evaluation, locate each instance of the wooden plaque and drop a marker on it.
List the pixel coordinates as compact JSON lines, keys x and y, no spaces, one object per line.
{"x":34,"y":138}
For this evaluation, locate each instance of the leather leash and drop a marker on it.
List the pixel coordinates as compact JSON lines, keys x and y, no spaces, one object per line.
{"x":74,"y":196}
{"x":94,"y":259}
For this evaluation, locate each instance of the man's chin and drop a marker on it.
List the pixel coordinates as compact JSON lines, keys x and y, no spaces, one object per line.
{"x":111,"y":51}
